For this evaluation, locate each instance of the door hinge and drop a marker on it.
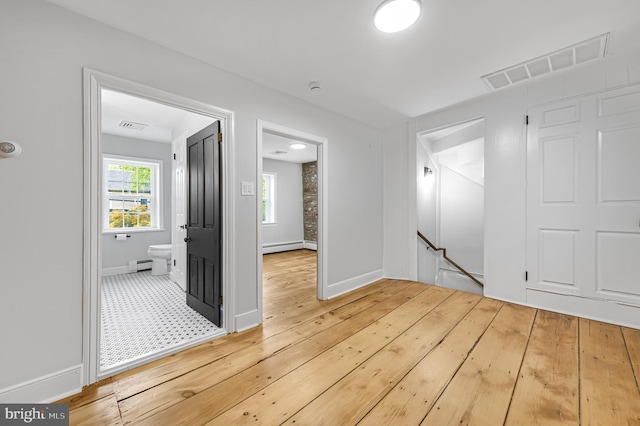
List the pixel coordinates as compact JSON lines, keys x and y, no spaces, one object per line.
{"x":174,"y":262}
{"x":174,"y":156}
{"x":526,"y":120}
{"x":526,"y":275}
{"x":220,"y":300}
{"x":220,"y":137}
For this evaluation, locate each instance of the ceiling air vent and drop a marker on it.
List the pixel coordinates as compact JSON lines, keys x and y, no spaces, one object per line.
{"x":132,"y":125}
{"x":585,"y":51}
{"x":278,"y":152}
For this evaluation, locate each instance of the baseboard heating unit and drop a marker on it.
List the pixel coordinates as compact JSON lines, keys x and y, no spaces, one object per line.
{"x":139,"y":265}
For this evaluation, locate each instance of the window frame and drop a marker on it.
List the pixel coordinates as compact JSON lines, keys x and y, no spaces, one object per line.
{"x":155,"y":195}
{"x":270,"y":201}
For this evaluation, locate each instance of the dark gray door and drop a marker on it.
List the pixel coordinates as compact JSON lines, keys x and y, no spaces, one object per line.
{"x":204,"y":236}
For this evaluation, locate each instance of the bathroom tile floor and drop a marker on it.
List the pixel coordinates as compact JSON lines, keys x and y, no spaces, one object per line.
{"x":143,"y":314}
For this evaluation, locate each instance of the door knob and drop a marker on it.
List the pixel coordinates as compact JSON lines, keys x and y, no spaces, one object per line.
{"x":186,"y":240}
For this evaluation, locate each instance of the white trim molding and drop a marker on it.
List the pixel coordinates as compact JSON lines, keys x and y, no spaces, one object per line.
{"x":351,"y":284}
{"x":94,"y":82}
{"x":280,"y":247}
{"x":45,"y":389}
{"x":248,"y":320}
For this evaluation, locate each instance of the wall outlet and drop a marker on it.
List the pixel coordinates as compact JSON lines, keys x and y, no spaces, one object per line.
{"x":247,"y":188}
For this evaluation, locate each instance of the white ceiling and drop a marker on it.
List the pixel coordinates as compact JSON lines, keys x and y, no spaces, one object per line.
{"x":278,"y":147}
{"x":373,"y":77}
{"x":164,"y":123}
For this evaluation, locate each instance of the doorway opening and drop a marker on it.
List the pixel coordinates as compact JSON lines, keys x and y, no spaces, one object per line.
{"x":136,"y":179}
{"x":450,"y":204}
{"x":292,"y":193}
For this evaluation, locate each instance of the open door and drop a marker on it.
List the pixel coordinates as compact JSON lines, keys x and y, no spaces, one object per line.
{"x":179,"y":210}
{"x":204,"y":274}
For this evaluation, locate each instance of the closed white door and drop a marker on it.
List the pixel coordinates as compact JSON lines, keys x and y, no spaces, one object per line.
{"x":583,"y":197}
{"x":179,"y":208}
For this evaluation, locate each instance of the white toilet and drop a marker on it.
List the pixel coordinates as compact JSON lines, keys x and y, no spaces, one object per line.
{"x":159,"y":253}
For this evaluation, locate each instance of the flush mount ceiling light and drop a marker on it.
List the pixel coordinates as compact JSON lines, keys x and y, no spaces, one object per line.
{"x":396,"y":15}
{"x":297,"y":146}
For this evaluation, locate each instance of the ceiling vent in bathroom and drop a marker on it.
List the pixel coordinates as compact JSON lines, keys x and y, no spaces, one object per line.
{"x":278,"y":152}
{"x":132,"y":125}
{"x":576,"y":54}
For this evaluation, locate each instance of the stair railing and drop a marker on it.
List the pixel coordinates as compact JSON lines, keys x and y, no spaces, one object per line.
{"x":444,"y":254}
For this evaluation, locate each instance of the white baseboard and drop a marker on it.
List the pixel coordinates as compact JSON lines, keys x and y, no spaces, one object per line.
{"x":115,"y":271}
{"x":346,"y":286}
{"x":279,"y":247}
{"x":248,"y":320}
{"x":310,"y":245}
{"x":598,"y":310}
{"x":45,"y":389}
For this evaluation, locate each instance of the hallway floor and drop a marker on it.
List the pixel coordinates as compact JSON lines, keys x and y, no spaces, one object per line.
{"x":143,"y":314}
{"x":393,"y":352}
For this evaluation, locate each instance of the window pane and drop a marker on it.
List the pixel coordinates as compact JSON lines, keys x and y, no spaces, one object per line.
{"x":130,"y":191}
{"x":130,"y":220}
{"x":144,"y":174}
{"x":268,"y":198}
{"x":144,"y":187}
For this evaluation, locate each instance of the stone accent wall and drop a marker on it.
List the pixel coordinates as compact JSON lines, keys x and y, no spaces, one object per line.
{"x":310,"y":200}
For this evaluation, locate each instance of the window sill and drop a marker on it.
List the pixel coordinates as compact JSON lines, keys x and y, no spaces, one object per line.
{"x":131,"y":231}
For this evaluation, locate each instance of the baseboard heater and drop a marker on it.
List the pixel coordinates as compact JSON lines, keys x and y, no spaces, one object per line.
{"x":139,"y":265}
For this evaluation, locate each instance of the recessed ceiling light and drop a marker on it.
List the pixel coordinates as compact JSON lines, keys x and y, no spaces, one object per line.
{"x":297,"y":146}
{"x":396,"y":15}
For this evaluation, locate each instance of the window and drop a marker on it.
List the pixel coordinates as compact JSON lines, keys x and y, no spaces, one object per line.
{"x":131,"y":194}
{"x":268,"y":198}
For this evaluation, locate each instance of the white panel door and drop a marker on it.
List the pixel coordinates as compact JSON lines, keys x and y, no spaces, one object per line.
{"x":583,"y":197}
{"x":179,"y":208}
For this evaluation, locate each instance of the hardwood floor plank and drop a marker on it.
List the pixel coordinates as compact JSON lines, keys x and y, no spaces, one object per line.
{"x":251,"y":372}
{"x":480,"y":391}
{"x":356,"y":393}
{"x":103,"y":412}
{"x":549,"y":371}
{"x":286,"y":396}
{"x":608,"y":390}
{"x":412,"y":398}
{"x":632,"y":340}
{"x":89,"y":394}
{"x":135,"y":381}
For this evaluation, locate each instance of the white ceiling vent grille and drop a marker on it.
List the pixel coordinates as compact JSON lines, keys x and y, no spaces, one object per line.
{"x":132,"y":125}
{"x":576,"y":54}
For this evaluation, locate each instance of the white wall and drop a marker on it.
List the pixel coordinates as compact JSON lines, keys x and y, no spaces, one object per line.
{"x":427,"y":199}
{"x":289,"y":226}
{"x":44,"y":49}
{"x":505,"y":166}
{"x":462,"y":220}
{"x":118,"y":253}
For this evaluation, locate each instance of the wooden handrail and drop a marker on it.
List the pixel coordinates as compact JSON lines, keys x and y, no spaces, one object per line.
{"x":444,"y":254}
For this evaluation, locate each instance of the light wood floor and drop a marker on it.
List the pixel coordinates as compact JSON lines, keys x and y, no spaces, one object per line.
{"x":394,"y":352}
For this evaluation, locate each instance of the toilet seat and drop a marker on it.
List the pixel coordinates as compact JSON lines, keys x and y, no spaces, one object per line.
{"x":160,"y":250}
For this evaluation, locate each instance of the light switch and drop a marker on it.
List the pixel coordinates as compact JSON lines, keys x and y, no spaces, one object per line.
{"x":247,"y":188}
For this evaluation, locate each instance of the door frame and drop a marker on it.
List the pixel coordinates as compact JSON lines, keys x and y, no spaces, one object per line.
{"x":323,"y":208}
{"x":93,"y":83}
{"x":416,"y":175}
{"x":175,"y":235}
